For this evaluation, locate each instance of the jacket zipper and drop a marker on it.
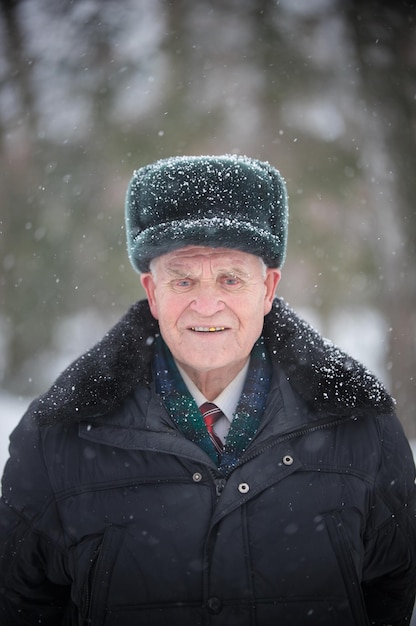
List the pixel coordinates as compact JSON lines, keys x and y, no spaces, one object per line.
{"x":89,"y":580}
{"x":219,"y":486}
{"x":296,"y":433}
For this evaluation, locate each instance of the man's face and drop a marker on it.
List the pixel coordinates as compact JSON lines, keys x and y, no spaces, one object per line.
{"x":210,"y":304}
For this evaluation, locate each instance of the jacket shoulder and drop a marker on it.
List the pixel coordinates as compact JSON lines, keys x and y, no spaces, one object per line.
{"x":328,"y":379}
{"x":100,"y":379}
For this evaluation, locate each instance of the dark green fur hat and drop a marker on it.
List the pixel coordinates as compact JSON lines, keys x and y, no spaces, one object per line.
{"x":216,"y":201}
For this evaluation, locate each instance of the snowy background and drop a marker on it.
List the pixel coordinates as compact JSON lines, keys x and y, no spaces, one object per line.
{"x":322,"y":89}
{"x":90,"y":90}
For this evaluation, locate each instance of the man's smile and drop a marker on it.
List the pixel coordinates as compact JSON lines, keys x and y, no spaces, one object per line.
{"x":207,"y":329}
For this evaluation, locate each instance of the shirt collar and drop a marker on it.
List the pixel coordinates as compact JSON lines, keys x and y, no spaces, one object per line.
{"x":228,"y":399}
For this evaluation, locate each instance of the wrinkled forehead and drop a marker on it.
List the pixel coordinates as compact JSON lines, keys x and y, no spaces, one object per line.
{"x":195,"y":255}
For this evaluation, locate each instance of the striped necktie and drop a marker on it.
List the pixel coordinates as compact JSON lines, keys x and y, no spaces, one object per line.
{"x":211,"y":413}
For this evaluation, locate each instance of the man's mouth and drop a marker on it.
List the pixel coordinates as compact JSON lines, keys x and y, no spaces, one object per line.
{"x":207,"y":329}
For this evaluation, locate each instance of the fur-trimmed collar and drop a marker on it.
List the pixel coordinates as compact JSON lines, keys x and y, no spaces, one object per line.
{"x":325,"y":377}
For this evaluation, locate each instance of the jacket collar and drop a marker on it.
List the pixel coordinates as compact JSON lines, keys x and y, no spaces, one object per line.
{"x":326,"y":378}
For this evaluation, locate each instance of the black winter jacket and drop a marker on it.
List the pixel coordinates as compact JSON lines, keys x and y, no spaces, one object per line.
{"x":111,"y":517}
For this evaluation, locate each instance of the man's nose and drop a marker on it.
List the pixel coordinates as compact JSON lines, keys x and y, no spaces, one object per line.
{"x":207,"y":299}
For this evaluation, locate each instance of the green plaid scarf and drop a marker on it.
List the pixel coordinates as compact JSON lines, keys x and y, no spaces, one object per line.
{"x":185,"y":413}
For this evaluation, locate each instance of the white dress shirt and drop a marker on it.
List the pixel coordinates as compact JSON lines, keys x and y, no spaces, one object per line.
{"x":227,"y":400}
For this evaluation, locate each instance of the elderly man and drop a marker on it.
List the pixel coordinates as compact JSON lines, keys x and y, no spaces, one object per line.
{"x":212,"y":460}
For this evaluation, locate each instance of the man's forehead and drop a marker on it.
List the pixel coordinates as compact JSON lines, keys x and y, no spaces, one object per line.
{"x":195,"y":253}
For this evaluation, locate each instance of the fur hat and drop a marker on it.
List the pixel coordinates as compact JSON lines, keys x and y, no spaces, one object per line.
{"x":217,"y":201}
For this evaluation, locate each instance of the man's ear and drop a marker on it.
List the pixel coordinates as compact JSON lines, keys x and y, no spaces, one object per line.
{"x":273,"y":275}
{"x":149,"y":285}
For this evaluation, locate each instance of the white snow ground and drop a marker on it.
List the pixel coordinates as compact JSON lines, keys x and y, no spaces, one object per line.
{"x":11,"y":410}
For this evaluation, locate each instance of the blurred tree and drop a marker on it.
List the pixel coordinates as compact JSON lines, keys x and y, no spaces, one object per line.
{"x":384,"y":40}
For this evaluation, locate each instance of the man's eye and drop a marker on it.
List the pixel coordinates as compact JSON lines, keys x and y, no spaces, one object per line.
{"x":183,"y":283}
{"x":231,"y":281}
